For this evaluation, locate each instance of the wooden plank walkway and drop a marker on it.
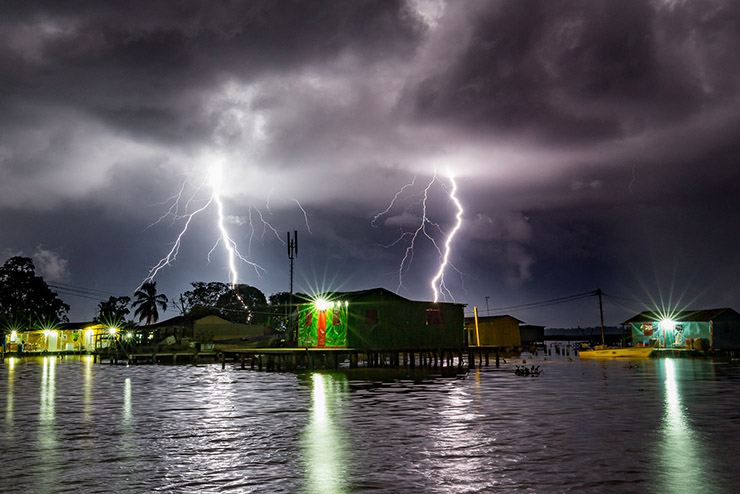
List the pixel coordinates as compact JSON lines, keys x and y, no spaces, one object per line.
{"x":289,"y":359}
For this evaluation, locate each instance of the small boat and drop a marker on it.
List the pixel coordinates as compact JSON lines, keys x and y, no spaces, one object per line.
{"x":601,"y":351}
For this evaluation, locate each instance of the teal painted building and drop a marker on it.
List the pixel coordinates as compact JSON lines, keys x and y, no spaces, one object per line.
{"x":717,"y":329}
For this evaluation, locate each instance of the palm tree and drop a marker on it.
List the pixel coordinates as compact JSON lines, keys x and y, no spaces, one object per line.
{"x":147,"y":301}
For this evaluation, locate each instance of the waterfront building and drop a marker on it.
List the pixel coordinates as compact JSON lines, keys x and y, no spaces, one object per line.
{"x":705,"y":329}
{"x":65,"y":337}
{"x":210,"y":329}
{"x":494,"y":331}
{"x":379,"y":319}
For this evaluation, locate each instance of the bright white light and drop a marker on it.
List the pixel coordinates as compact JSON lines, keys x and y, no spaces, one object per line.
{"x":112,"y":330}
{"x":47,"y":332}
{"x":129,"y":335}
{"x":667,"y":325}
{"x":322,"y":304}
{"x":13,"y":336}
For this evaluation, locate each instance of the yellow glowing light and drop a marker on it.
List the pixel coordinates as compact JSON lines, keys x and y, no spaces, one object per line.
{"x":322,"y":304}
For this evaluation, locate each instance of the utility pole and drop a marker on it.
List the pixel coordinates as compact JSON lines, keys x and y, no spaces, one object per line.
{"x":488,"y":312}
{"x":292,"y":254}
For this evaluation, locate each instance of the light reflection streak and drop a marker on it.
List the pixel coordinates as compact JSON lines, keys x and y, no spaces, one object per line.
{"x":681,"y":460}
{"x":48,"y":396}
{"x":128,"y":431}
{"x":87,"y":388}
{"x":324,"y":451}
{"x":47,"y":438}
{"x":127,"y":413}
{"x":9,"y":403}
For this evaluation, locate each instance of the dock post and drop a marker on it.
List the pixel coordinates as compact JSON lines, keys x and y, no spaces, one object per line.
{"x":174,"y":358}
{"x":243,"y":363}
{"x":497,"y":357}
{"x":223,"y":361}
{"x":487,"y":354}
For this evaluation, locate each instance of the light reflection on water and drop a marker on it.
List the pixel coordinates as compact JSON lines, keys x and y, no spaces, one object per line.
{"x":662,"y":426}
{"x":325,"y":456}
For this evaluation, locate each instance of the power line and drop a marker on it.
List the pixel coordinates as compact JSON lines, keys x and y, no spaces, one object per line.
{"x":545,"y":303}
{"x":81,"y":292}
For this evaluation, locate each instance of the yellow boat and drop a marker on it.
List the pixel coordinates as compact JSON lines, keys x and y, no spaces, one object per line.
{"x":602,"y":352}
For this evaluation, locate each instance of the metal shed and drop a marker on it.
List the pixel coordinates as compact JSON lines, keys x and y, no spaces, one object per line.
{"x":379,"y":319}
{"x":502,"y":330}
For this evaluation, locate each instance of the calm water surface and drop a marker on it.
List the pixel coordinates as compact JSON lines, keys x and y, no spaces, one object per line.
{"x":668,"y":425}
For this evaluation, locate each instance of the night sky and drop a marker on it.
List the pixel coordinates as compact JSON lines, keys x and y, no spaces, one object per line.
{"x":593,"y":144}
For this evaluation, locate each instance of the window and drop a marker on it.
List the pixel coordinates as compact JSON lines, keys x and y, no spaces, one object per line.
{"x":371,"y":317}
{"x":434,"y":317}
{"x":335,"y":320}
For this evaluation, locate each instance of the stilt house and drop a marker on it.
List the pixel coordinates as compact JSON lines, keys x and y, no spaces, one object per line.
{"x":717,"y":329}
{"x":379,"y":319}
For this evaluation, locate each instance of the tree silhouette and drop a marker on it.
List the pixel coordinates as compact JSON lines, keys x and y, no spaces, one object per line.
{"x":217,"y":298}
{"x":25,"y":296}
{"x":147,"y":303}
{"x":115,"y":309}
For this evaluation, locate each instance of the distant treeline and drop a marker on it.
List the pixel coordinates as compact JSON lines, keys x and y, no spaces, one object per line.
{"x":612,"y":334}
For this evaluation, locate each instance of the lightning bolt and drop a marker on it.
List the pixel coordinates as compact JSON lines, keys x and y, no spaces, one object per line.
{"x":393,"y":201}
{"x":305,"y":216}
{"x":213,"y":180}
{"x":437,"y":283}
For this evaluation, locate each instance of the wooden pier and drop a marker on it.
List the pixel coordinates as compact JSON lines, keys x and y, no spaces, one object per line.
{"x":290,"y":359}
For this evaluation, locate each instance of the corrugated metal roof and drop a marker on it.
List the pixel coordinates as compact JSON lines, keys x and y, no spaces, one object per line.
{"x":492,"y":318}
{"x":171,"y":322}
{"x":685,"y":315}
{"x":384,"y":291}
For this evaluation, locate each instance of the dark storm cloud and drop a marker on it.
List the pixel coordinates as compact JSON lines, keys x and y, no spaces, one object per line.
{"x":587,"y":71}
{"x":140,"y":66}
{"x":588,"y":138}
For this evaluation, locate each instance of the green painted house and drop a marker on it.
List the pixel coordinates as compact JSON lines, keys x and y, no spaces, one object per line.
{"x":379,"y":319}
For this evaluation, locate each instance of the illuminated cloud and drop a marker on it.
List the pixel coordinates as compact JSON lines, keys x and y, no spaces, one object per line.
{"x":571,"y":129}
